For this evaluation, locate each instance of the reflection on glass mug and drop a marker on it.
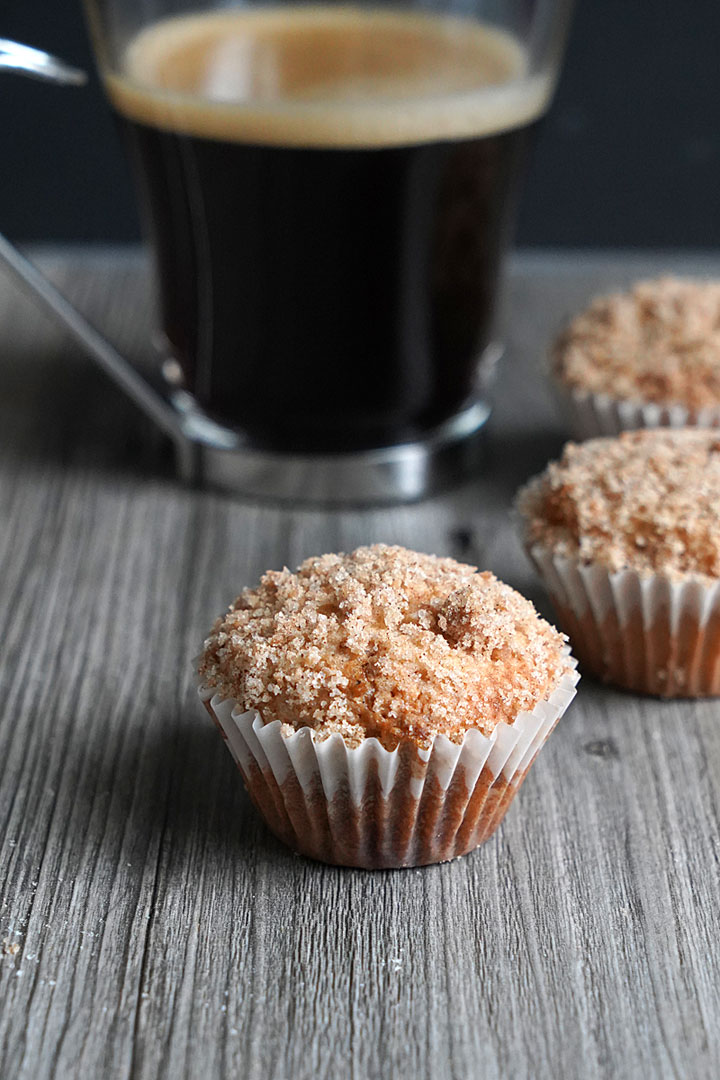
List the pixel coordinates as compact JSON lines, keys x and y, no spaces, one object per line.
{"x":328,"y":191}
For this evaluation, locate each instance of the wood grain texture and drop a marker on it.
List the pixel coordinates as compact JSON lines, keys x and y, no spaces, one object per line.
{"x":161,"y":931}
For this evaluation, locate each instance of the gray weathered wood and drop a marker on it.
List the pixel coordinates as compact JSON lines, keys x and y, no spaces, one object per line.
{"x":160,"y":930}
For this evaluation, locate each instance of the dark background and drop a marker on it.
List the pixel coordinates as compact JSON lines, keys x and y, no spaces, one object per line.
{"x":629,"y":155}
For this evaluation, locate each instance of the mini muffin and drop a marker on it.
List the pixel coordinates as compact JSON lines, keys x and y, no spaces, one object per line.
{"x":625,"y":533}
{"x":384,"y":706}
{"x":645,"y":358}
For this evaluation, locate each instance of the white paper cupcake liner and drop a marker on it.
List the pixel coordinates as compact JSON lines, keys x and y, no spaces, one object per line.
{"x":371,"y":807}
{"x":643,"y":632}
{"x":590,"y":415}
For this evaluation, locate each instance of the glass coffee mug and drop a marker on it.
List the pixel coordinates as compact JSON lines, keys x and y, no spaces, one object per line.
{"x":328,"y":191}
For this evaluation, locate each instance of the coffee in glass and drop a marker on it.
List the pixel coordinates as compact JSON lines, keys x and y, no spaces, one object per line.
{"x":328,"y":191}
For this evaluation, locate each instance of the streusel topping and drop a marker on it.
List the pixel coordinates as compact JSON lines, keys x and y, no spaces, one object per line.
{"x":649,"y":500}
{"x":384,"y":642}
{"x":659,"y":342}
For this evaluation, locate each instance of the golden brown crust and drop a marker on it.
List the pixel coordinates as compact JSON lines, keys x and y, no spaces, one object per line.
{"x":659,"y":342}
{"x":649,"y":500}
{"x":385,"y":831}
{"x":384,"y":642}
{"x":659,"y":658}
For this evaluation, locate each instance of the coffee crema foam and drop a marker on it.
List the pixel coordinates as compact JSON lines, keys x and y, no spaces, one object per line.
{"x":327,"y":77}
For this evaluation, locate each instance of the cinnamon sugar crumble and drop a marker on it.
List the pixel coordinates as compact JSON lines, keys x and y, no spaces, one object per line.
{"x":649,"y":500}
{"x":384,"y":642}
{"x":659,"y":342}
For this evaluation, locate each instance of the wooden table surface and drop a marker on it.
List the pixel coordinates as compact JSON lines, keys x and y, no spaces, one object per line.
{"x":149,"y":924}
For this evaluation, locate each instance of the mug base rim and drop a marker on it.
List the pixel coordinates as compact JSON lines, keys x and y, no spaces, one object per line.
{"x":403,"y":472}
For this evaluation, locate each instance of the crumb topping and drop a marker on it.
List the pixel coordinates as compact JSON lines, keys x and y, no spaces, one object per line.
{"x":649,"y":500}
{"x":659,"y":342}
{"x":384,"y":642}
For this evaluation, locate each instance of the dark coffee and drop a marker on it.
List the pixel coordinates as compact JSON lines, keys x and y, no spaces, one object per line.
{"x":328,"y":195}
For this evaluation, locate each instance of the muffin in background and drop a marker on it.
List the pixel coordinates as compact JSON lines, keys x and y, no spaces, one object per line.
{"x":384,"y":706}
{"x":625,"y":533}
{"x":646,"y":358}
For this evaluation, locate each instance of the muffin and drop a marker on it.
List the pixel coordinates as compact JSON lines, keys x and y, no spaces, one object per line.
{"x":384,"y":706}
{"x":645,"y":358}
{"x":625,"y":533}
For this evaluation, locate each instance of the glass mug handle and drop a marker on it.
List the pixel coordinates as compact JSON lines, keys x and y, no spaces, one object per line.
{"x":36,"y":64}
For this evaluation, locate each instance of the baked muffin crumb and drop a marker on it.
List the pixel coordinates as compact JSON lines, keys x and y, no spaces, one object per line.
{"x":659,"y":342}
{"x":386,"y":643}
{"x":649,"y":500}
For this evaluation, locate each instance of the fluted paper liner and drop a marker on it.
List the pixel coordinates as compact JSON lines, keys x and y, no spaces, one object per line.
{"x":643,"y":632}
{"x":371,"y":807}
{"x":590,"y":415}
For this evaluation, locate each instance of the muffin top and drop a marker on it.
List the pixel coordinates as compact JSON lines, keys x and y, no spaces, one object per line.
{"x":649,"y":500}
{"x":384,"y":642}
{"x":659,"y":342}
